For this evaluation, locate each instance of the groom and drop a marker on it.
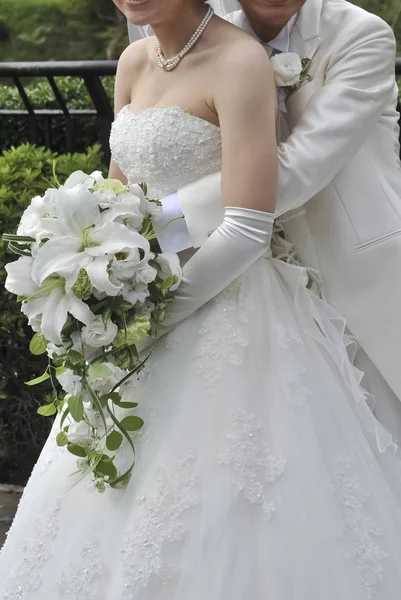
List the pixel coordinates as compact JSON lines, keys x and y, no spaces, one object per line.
{"x":339,"y":175}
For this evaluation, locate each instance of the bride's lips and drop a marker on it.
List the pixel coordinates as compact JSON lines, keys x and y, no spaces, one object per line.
{"x":136,"y":2}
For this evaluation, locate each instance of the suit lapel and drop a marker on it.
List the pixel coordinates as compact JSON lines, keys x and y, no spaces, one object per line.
{"x":304,"y":41}
{"x":305,"y":37}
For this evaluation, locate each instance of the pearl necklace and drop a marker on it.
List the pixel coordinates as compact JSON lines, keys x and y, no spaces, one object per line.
{"x":168,"y":64}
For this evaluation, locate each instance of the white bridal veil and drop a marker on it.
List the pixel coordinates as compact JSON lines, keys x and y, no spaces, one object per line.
{"x":221,"y":7}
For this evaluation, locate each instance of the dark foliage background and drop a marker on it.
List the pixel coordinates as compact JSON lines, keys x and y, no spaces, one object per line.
{"x":25,"y":171}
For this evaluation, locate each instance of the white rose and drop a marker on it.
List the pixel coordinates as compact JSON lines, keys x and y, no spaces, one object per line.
{"x":80,"y":434}
{"x":170,"y":266}
{"x":103,"y":377}
{"x":70,"y":382}
{"x":128,"y":264}
{"x":153,"y":209}
{"x":287,"y":69}
{"x":126,"y":210}
{"x":97,"y":334}
{"x":105,"y":198}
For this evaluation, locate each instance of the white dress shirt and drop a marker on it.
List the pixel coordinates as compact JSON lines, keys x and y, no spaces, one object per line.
{"x":175,"y":237}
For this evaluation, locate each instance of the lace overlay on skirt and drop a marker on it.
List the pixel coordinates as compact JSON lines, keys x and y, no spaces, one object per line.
{"x":240,"y":490}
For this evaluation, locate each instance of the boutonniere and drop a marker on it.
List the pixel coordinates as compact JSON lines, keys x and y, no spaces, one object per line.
{"x":290,"y":71}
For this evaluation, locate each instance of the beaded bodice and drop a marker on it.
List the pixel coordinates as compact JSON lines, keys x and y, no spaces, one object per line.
{"x":166,"y":148}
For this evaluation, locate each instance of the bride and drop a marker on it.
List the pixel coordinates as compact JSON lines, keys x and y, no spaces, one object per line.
{"x":262,"y":473}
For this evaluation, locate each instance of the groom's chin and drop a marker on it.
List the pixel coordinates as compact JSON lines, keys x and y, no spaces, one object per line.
{"x":272,"y":12}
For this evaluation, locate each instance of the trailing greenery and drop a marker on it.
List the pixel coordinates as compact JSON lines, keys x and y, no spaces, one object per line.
{"x":25,"y":171}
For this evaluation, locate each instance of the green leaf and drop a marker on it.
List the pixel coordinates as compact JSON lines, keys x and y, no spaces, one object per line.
{"x":132,"y":423}
{"x":115,"y":397}
{"x":66,"y":412}
{"x":62,"y":439}
{"x":75,"y":357}
{"x":106,"y":468}
{"x":114,"y":440}
{"x":76,"y":408}
{"x":47,"y":410}
{"x":60,"y":371}
{"x":38,"y":344}
{"x":128,"y":404}
{"x":76,"y":450}
{"x":38,"y":380}
{"x":168,"y":282}
{"x":99,"y":371}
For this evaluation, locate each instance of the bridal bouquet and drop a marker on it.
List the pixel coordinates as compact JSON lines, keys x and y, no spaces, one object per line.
{"x":93,"y":292}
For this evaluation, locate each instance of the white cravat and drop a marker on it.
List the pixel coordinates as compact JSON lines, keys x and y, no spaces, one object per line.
{"x":175,"y":237}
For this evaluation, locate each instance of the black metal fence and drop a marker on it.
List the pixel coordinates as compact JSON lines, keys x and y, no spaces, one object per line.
{"x":90,"y":72}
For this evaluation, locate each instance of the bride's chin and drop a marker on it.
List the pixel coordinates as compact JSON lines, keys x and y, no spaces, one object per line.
{"x":137,"y":11}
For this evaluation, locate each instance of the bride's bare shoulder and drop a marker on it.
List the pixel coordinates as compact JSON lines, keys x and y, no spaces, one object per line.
{"x":136,"y":55}
{"x":233,"y":44}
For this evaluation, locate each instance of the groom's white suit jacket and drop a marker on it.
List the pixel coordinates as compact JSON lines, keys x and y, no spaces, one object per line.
{"x":341,"y":158}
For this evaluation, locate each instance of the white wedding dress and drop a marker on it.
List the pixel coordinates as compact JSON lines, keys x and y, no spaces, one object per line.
{"x":262,"y":473}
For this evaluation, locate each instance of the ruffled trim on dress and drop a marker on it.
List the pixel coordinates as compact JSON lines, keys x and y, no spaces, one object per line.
{"x":331,"y":334}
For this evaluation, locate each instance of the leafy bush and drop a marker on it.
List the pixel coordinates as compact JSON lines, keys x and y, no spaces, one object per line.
{"x":25,"y":171}
{"x":15,"y":129}
{"x":56,"y":29}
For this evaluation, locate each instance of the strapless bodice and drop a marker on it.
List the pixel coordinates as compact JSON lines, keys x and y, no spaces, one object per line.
{"x":166,"y":148}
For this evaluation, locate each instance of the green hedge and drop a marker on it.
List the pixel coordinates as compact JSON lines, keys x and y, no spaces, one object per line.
{"x":15,"y":130}
{"x":25,"y":171}
{"x":60,"y":29}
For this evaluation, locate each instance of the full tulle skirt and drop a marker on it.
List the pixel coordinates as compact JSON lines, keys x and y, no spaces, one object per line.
{"x":261,"y":471}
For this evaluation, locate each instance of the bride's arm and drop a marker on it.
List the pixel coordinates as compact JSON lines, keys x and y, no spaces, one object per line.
{"x":245,"y":100}
{"x":128,"y":66}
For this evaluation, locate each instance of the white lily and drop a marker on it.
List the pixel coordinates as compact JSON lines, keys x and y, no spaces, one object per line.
{"x":31,"y":223}
{"x":82,"y":239}
{"x":81,"y":178}
{"x":52,"y":300}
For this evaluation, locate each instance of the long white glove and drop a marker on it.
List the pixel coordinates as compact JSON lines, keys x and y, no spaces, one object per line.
{"x":242,"y":238}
